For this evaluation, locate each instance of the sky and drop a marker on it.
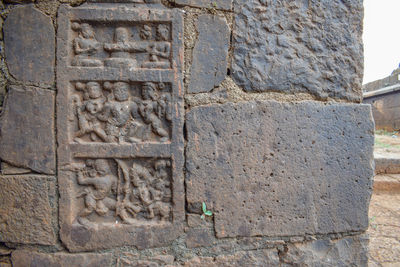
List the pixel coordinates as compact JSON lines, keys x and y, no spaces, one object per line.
{"x":381,"y":38}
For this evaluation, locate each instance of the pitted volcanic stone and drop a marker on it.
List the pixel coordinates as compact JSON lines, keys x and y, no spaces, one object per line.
{"x":281,"y":169}
{"x":299,"y":46}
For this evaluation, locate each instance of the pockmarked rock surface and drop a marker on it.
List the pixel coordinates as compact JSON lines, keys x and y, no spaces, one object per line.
{"x":27,"y":129}
{"x":299,"y":46}
{"x":29,"y":39}
{"x":281,"y":169}
{"x":27,"y":211}
{"x":348,"y":251}
{"x":23,"y":258}
{"x":120,"y":126}
{"x":214,"y":4}
{"x":210,"y":54}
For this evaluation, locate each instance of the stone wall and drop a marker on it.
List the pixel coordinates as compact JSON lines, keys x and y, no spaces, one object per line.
{"x":183,"y":133}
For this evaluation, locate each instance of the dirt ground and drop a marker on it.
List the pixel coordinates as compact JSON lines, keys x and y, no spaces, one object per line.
{"x":384,"y":230}
{"x":387,"y":143}
{"x":384,"y":210}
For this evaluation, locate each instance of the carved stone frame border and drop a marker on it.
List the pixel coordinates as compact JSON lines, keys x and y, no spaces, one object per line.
{"x":77,"y":237}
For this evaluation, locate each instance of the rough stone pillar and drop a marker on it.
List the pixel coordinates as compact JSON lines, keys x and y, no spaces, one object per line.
{"x":183,"y":133}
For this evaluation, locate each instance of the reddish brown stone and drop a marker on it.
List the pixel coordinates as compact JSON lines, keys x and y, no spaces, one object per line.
{"x":22,"y":258}
{"x":120,"y":126}
{"x":27,"y":209}
{"x":199,"y":238}
{"x":27,"y":129}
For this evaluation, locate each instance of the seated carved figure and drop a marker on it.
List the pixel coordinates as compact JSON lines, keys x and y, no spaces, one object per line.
{"x":85,"y":46}
{"x":160,"y":51}
{"x":88,"y":111}
{"x":120,"y":50}
{"x":102,"y":184}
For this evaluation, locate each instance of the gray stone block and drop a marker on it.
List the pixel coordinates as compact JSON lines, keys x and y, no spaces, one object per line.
{"x":210,"y":54}
{"x":22,"y":258}
{"x":27,"y":129}
{"x":30,"y":45}
{"x":299,"y":46}
{"x":281,"y":169}
{"x":26,"y":212}
{"x":217,"y":4}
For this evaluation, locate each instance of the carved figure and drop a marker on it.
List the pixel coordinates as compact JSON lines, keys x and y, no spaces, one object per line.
{"x":159,"y":52}
{"x":117,"y":112}
{"x":121,"y":48}
{"x":88,"y":111}
{"x":85,"y":46}
{"x":150,"y":110}
{"x":146,"y":32}
{"x":101,"y":185}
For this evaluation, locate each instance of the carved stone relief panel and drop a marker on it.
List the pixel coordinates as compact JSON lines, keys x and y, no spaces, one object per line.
{"x":120,"y":126}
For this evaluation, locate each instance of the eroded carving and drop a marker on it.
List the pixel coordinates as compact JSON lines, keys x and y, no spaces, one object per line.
{"x":136,"y":46}
{"x":120,"y":112}
{"x":85,"y":46}
{"x":130,"y":191}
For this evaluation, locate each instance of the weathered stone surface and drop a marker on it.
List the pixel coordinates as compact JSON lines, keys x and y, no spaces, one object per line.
{"x":292,"y":46}
{"x":266,"y":257}
{"x":214,"y":4}
{"x":348,"y":251}
{"x":210,"y":54}
{"x":23,"y":258}
{"x":26,"y":209}
{"x":199,"y":238}
{"x":6,"y":168}
{"x":131,"y":260}
{"x":27,"y":129}
{"x":281,"y":169}
{"x":30,"y":45}
{"x":120,"y":126}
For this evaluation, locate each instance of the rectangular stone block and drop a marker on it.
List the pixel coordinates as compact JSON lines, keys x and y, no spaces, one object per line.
{"x":347,"y":251}
{"x":299,"y":46}
{"x":216,"y":4}
{"x":27,"y":137}
{"x":23,"y":258}
{"x":210,"y":54}
{"x":27,"y":209}
{"x":281,"y":169}
{"x":120,"y":126}
{"x":29,"y":40}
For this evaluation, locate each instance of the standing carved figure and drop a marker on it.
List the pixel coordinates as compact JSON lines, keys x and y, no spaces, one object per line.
{"x":101,"y":185}
{"x":85,"y":46}
{"x":149,"y":110}
{"x":88,"y":111}
{"x":160,"y":51}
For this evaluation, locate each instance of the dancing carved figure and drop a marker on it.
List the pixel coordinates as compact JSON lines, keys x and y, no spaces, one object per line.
{"x":89,"y":110}
{"x":101,"y":185}
{"x":85,"y":46}
{"x":149,"y":110}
